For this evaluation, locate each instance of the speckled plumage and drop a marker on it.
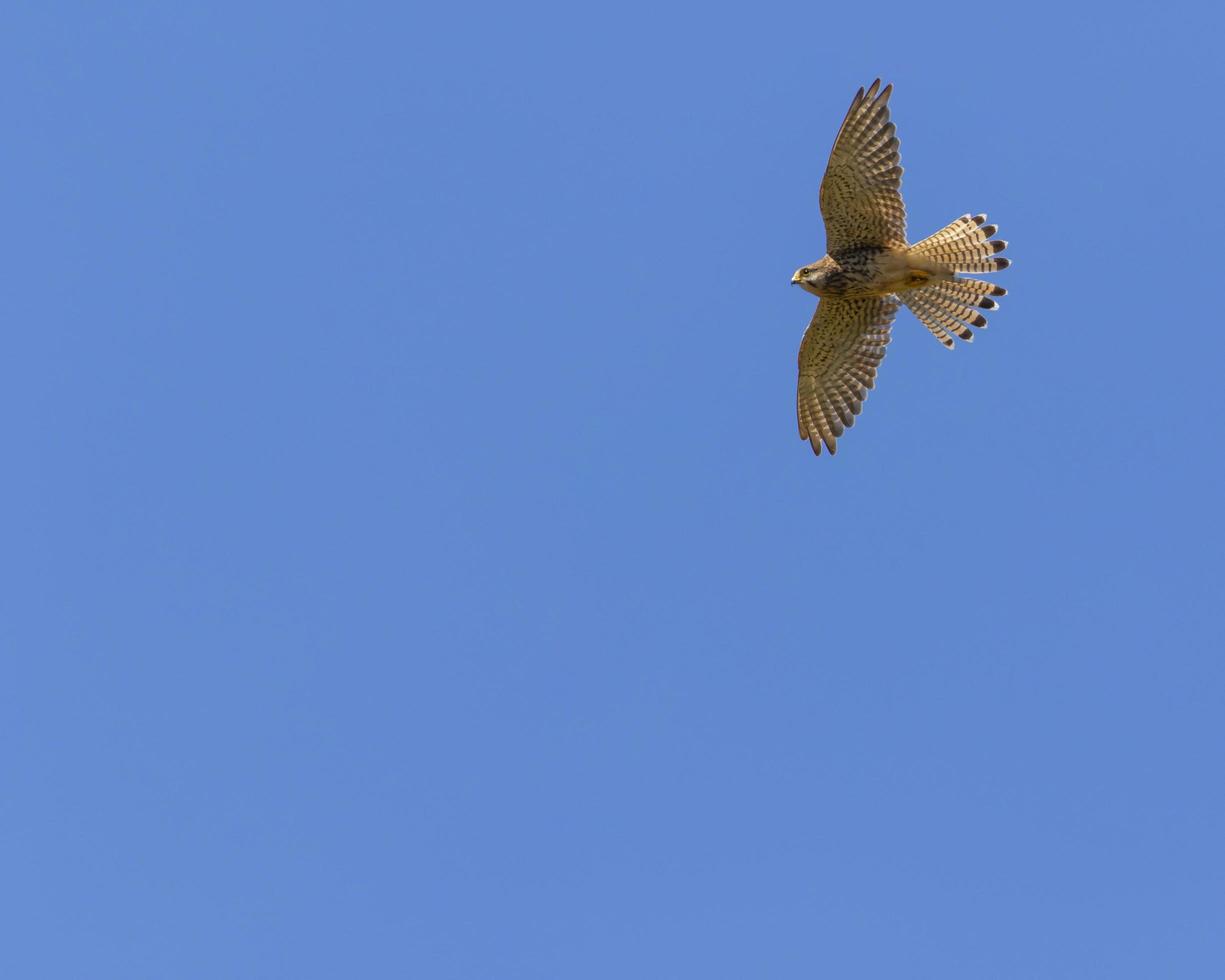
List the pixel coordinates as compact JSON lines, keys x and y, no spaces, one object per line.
{"x":870,"y":270}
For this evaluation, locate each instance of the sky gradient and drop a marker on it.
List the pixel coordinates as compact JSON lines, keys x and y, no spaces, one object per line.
{"x":414,"y":569}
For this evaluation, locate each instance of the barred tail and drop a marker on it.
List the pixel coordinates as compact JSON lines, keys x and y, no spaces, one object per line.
{"x":963,"y":245}
{"x":951,"y":307}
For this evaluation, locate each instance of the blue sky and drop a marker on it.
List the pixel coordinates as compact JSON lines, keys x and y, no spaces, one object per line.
{"x":413,"y":567}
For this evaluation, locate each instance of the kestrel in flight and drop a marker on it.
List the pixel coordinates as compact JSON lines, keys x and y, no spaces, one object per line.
{"x":871,"y":270}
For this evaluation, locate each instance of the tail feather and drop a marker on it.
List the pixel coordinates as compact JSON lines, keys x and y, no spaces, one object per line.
{"x":964,"y":245}
{"x":926,"y":306}
{"x":931,"y":323}
{"x":975,"y":292}
{"x":952,"y":307}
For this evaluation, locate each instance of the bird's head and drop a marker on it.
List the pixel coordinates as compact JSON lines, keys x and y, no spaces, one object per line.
{"x":809,"y":278}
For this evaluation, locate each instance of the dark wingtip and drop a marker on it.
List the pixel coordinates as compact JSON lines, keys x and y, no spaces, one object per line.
{"x":998,"y":245}
{"x":999,"y":291}
{"x":1002,"y":264}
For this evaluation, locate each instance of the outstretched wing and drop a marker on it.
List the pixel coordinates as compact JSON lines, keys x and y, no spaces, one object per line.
{"x":861,"y":193}
{"x":839,"y":355}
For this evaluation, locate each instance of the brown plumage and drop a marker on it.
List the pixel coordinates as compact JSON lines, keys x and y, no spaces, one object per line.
{"x":839,"y":355}
{"x":870,"y":270}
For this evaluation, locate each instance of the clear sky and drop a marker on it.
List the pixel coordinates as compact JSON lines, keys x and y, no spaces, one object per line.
{"x":412,"y":565}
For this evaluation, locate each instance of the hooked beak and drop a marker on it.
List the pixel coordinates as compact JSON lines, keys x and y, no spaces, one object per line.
{"x":795,"y":280}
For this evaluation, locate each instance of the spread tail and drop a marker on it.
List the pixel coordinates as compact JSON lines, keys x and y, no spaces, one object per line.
{"x":963,"y":245}
{"x":950,"y":307}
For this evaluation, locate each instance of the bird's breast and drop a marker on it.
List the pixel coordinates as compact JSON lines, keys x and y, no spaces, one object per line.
{"x":865,"y":272}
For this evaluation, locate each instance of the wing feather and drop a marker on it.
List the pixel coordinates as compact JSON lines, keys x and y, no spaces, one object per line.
{"x":861,"y":193}
{"x":841,"y":350}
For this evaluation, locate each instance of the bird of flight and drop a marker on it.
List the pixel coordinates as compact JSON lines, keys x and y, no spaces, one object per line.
{"x":871,"y":269}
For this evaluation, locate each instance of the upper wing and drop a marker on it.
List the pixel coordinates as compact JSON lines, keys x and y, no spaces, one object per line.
{"x":839,"y":355}
{"x":861,"y":194}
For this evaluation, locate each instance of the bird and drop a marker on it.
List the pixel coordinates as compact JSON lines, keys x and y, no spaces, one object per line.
{"x":870,"y":270}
